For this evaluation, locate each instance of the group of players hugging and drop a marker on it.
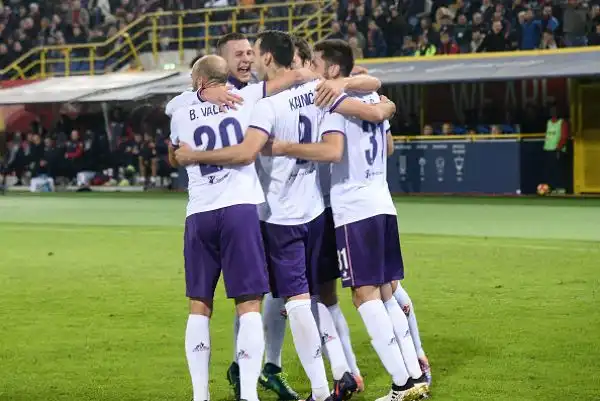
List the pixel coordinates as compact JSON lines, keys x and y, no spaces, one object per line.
{"x":287,"y":194}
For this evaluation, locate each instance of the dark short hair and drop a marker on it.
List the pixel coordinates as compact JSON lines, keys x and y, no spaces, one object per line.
{"x":230,"y":37}
{"x":279,"y":44}
{"x":337,"y":52}
{"x":303,"y":48}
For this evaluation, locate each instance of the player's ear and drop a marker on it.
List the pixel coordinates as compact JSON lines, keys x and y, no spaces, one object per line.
{"x":268,"y":58}
{"x":334,"y":70}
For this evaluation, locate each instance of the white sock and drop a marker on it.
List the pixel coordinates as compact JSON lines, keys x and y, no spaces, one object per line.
{"x":250,"y":351}
{"x":331,"y":340}
{"x":407,"y":306}
{"x":407,"y":347}
{"x":274,"y":325}
{"x":197,"y":351}
{"x":308,"y":346}
{"x":341,"y":325}
{"x":379,"y":327}
{"x":236,"y":330}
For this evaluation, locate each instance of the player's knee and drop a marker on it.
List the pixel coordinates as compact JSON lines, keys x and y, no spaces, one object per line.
{"x":328,"y":293}
{"x":200,"y":306}
{"x":386,"y":292}
{"x":360,"y":295}
{"x":395,"y":284}
{"x":248,"y":304}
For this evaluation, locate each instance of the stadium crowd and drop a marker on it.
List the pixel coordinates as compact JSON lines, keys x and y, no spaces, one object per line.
{"x":378,"y":28}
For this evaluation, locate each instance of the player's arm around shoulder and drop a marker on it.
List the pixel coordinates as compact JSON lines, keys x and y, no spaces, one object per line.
{"x":288,"y":79}
{"x":375,"y":113}
{"x":330,"y":149}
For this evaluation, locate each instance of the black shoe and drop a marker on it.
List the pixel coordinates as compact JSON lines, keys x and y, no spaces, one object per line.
{"x":345,"y":387}
{"x":233,"y":377}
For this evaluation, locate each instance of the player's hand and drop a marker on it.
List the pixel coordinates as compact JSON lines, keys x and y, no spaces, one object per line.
{"x":328,"y":91}
{"x":388,"y":106}
{"x":184,"y":154}
{"x":305,"y":75}
{"x":221,"y":96}
{"x":357,"y":70}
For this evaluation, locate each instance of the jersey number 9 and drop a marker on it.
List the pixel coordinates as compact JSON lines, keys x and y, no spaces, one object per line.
{"x":304,"y":134}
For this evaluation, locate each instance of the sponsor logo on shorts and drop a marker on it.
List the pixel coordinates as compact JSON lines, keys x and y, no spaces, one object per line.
{"x":201,"y":347}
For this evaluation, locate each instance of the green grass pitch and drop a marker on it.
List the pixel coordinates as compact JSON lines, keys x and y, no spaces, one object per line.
{"x":92,"y":302}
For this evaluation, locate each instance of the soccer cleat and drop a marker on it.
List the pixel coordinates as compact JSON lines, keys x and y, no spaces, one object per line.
{"x":233,"y":377}
{"x":272,"y":378}
{"x":408,"y":392}
{"x":360,"y":383}
{"x":425,"y":368}
{"x":345,"y":387}
{"x":422,"y":386}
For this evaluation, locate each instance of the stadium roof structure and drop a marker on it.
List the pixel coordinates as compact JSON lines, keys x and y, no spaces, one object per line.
{"x":70,"y":89}
{"x":581,"y":62}
{"x":487,"y":67}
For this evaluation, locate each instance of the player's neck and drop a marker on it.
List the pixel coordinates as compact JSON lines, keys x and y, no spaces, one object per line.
{"x":276,"y":72}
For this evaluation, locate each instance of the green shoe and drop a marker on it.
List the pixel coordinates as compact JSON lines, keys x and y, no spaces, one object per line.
{"x":233,"y":377}
{"x":272,"y":378}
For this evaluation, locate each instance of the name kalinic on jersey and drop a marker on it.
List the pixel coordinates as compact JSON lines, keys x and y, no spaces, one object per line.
{"x":359,"y":188}
{"x":204,"y":127}
{"x":291,"y":185}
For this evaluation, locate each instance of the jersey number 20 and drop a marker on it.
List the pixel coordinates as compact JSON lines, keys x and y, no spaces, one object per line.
{"x":206,"y":135}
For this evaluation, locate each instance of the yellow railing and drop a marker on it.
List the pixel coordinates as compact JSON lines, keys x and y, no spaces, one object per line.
{"x":171,"y":30}
{"x":465,"y":137}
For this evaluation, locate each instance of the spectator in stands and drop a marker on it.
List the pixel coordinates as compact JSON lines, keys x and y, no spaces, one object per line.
{"x":425,"y":29}
{"x":531,"y":32}
{"x":357,"y":50}
{"x":353,"y":32}
{"x":73,"y":155}
{"x":574,"y":24}
{"x":593,"y":38}
{"x":425,"y":49}
{"x":376,"y":46}
{"x":447,"y":129}
{"x":478,"y":23}
{"x":4,"y":56}
{"x":463,"y":33}
{"x":548,"y":41}
{"x":409,"y":47}
{"x":427,"y":130}
{"x":447,"y":45}
{"x":336,"y":31}
{"x":495,"y":40}
{"x":496,"y":130}
{"x":549,"y":21}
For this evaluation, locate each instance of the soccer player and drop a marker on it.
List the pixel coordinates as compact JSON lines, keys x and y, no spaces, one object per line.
{"x":222,"y":232}
{"x":366,"y":227}
{"x":292,"y":217}
{"x":239,"y":55}
{"x":333,"y":326}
